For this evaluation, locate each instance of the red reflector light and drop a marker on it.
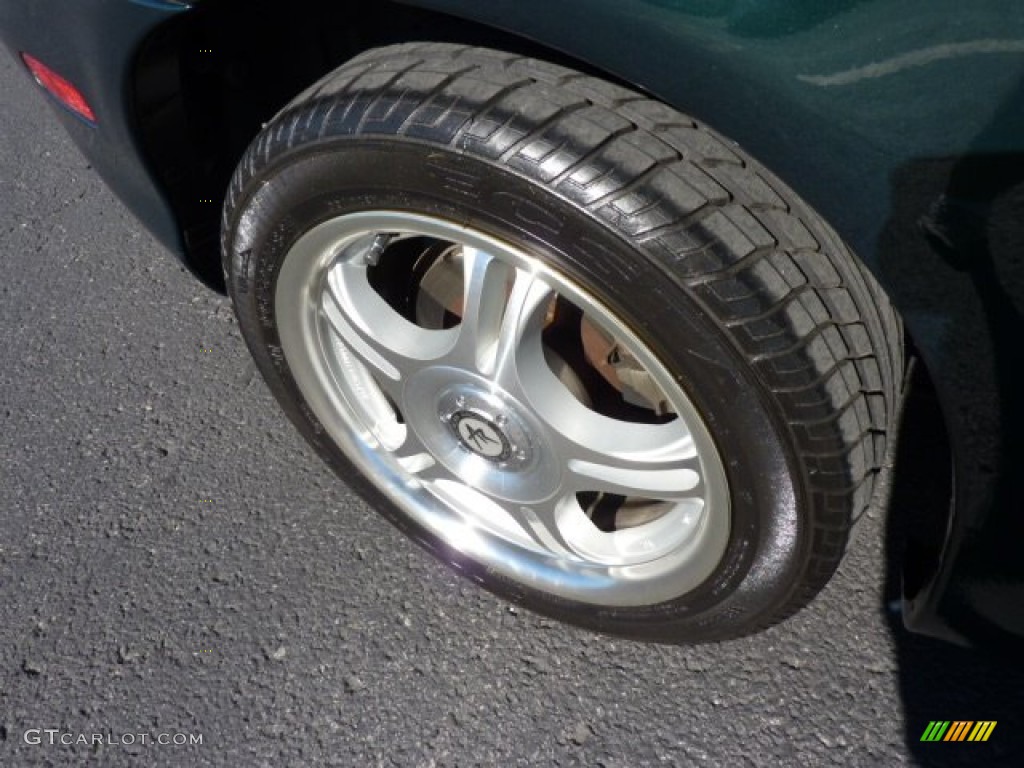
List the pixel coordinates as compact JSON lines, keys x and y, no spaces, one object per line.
{"x":59,"y":88}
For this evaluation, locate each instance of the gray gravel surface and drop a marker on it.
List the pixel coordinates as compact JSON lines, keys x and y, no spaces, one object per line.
{"x":174,"y":560}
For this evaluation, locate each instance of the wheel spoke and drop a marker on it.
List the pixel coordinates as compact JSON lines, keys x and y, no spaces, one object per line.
{"x":521,"y":327}
{"x":654,"y":461}
{"x":385,"y":342}
{"x":666,"y":478}
{"x":552,"y":523}
{"x":484,"y":286}
{"x":415,"y":458}
{"x":502,"y":305}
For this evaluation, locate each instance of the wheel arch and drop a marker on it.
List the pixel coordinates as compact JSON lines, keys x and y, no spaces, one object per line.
{"x":203,"y":84}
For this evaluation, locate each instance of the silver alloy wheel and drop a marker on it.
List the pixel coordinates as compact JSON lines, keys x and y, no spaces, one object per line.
{"x":470,"y":431}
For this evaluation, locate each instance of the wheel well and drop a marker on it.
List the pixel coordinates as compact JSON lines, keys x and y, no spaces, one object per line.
{"x":205,"y":82}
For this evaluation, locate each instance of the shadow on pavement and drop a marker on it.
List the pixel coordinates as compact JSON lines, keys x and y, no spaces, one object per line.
{"x":953,"y":255}
{"x":939,"y":680}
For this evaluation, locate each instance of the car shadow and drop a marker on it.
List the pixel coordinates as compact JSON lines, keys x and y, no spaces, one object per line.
{"x":952,"y":254}
{"x":937,"y":679}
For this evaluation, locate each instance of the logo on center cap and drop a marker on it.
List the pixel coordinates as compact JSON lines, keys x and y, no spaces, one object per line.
{"x":481,"y":436}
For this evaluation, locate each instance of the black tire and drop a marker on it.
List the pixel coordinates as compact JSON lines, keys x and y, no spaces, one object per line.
{"x":786,"y":346}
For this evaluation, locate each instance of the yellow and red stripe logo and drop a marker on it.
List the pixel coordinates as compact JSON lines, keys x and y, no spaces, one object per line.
{"x":958,"y":730}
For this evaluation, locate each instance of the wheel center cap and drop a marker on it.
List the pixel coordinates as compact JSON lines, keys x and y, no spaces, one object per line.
{"x":484,"y":424}
{"x":481,"y":435}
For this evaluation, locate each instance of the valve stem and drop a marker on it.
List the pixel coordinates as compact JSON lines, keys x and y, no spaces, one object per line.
{"x":380,"y":242}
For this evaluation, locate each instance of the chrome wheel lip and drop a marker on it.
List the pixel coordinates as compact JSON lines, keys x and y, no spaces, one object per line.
{"x":327,"y":373}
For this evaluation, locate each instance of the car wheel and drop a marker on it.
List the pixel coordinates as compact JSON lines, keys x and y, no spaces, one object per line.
{"x":574,"y":343}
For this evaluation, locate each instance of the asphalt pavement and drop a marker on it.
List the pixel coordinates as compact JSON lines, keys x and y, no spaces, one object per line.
{"x":176,"y":565}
